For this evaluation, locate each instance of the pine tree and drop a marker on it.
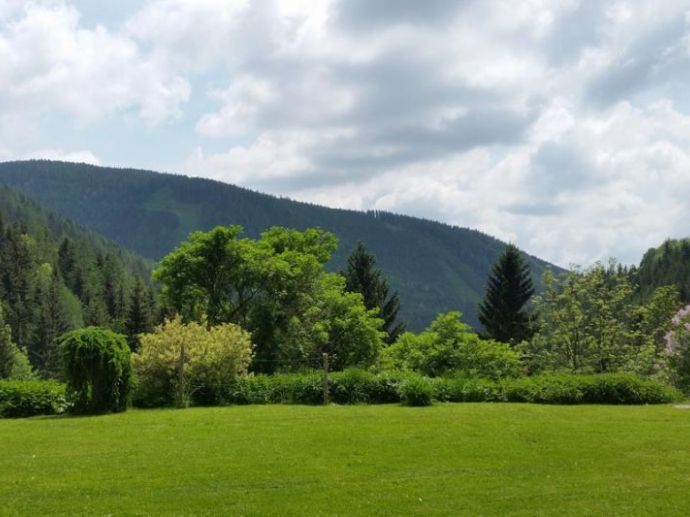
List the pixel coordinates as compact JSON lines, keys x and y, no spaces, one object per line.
{"x":52,"y":323}
{"x":509,"y":288}
{"x":17,"y":278}
{"x":139,"y":318}
{"x":363,"y":277}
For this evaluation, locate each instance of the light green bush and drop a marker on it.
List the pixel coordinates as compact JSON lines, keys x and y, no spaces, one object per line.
{"x":185,"y":364}
{"x":30,"y":398}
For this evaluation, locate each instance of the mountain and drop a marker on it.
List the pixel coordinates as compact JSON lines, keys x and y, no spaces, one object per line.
{"x":435,"y":267}
{"x":48,"y":227}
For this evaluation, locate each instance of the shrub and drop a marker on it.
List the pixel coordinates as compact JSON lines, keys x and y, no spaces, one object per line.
{"x":623,"y":388}
{"x":416,"y":391}
{"x":611,"y":388}
{"x":449,"y":346}
{"x":356,"y":386}
{"x":30,"y":398}
{"x":97,"y":365}
{"x":290,"y":388}
{"x":467,"y":390}
{"x":186,"y":364}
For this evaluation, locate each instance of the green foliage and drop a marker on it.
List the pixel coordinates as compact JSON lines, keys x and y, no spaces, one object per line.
{"x":362,"y":276}
{"x":608,"y":388}
{"x":56,"y":276}
{"x":139,"y":318}
{"x":434,"y":267}
{"x":416,"y":391}
{"x":338,"y":324}
{"x":583,"y":322}
{"x":277,"y":288}
{"x":97,"y":367}
{"x":669,"y":264}
{"x":509,"y":287}
{"x":14,"y":363}
{"x":589,"y":321}
{"x":352,"y":386}
{"x":185,"y":364}
{"x":356,"y":386}
{"x":678,"y":350}
{"x":276,"y":389}
{"x":651,"y":325}
{"x":617,"y":388}
{"x":449,"y":346}
{"x":31,"y":397}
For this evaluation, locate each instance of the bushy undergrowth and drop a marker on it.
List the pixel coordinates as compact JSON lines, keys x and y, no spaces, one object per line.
{"x":559,"y":389}
{"x":30,"y":398}
{"x":361,"y":387}
{"x":416,"y":391}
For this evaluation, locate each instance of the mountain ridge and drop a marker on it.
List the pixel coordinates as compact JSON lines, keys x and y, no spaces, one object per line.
{"x":435,"y":266}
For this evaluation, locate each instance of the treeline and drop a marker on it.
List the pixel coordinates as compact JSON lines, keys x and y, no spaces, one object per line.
{"x":229,"y":305}
{"x":594,"y":320}
{"x":669,"y":264}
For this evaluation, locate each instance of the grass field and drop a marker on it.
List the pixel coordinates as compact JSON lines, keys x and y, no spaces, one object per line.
{"x":473,"y":459}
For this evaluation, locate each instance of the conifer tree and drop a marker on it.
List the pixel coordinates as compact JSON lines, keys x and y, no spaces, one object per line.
{"x":509,"y":288}
{"x":52,"y":323}
{"x":139,"y":318}
{"x":363,"y":277}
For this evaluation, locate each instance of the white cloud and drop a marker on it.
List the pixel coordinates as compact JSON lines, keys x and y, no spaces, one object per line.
{"x":563,"y":126}
{"x":61,"y":155}
{"x":50,"y":63}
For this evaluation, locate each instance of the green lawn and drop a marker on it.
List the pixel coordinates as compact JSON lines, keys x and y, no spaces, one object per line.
{"x":474,"y":459}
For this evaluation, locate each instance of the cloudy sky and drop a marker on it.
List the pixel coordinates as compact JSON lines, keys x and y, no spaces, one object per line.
{"x":561,"y":125}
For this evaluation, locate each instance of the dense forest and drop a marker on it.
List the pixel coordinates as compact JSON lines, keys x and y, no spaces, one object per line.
{"x":434,"y":267}
{"x":56,"y":276}
{"x":668,"y":264}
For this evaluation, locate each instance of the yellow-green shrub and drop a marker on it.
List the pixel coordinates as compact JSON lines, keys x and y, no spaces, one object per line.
{"x":182,"y":363}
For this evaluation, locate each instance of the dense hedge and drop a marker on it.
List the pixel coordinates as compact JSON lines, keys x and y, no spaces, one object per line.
{"x":361,"y":387}
{"x":612,"y":388}
{"x":30,"y":398}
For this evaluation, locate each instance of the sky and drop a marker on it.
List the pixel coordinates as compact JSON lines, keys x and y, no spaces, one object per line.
{"x":562,"y":126}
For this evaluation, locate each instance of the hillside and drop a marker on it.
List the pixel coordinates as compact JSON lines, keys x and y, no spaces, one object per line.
{"x":50,"y":228}
{"x":434,"y":266}
{"x":56,"y":276}
{"x":669,"y":264}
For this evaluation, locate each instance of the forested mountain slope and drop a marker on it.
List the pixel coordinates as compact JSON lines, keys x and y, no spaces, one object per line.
{"x":669,"y":264}
{"x":434,"y":266}
{"x":56,"y":276}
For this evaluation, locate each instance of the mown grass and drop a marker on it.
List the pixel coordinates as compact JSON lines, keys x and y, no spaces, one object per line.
{"x":449,"y":459}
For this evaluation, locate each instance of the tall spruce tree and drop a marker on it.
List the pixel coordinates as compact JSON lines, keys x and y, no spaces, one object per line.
{"x":139,"y":317}
{"x":509,"y":288}
{"x":363,"y":277}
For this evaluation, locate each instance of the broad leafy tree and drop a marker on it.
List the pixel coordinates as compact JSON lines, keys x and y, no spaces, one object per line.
{"x":14,"y":363}
{"x":275,"y":287}
{"x":588,"y":322}
{"x":504,"y":311}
